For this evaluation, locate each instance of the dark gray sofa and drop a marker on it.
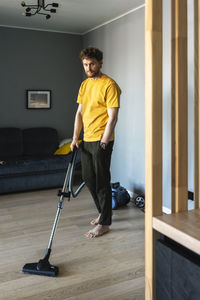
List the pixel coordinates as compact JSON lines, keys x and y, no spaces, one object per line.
{"x":27,"y":160}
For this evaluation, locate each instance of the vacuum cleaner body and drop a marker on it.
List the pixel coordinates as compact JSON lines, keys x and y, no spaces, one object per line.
{"x":43,"y":266}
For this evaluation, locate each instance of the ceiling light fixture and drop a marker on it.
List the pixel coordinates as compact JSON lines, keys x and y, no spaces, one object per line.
{"x":34,"y":9}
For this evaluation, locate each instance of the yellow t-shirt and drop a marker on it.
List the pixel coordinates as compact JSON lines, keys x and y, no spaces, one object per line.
{"x":96,"y":96}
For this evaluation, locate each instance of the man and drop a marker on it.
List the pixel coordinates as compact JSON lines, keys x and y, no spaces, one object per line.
{"x":97,"y":113}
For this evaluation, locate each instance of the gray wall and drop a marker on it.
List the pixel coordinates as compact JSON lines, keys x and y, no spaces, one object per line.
{"x":123,"y":44}
{"x":39,"y":60}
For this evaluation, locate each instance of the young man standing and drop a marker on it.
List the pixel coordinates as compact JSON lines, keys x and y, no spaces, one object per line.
{"x":97,"y":113}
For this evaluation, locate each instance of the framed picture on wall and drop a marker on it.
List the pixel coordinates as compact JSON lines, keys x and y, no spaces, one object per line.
{"x":38,"y":99}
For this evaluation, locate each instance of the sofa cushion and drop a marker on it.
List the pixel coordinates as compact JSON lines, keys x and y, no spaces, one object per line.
{"x":25,"y":166}
{"x":10,"y":142}
{"x":65,"y":149}
{"x":40,"y":141}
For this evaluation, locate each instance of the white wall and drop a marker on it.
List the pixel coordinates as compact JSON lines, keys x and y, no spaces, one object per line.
{"x":122,"y":42}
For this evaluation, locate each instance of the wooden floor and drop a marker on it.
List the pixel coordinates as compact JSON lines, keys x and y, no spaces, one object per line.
{"x":106,"y":268}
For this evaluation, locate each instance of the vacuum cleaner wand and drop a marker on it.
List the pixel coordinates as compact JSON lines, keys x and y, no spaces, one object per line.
{"x":43,"y":267}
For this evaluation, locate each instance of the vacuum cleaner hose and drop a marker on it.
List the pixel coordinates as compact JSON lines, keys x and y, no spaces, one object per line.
{"x":71,"y":177}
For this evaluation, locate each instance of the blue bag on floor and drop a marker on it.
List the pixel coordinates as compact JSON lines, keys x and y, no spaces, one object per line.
{"x":120,"y":196}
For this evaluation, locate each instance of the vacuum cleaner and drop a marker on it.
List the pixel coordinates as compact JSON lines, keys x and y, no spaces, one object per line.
{"x":43,"y":266}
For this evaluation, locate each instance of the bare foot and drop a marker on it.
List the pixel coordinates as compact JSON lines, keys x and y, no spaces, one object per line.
{"x":95,"y":221}
{"x":97,"y":231}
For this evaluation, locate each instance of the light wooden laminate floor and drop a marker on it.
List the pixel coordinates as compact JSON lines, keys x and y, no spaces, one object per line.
{"x":106,"y":268}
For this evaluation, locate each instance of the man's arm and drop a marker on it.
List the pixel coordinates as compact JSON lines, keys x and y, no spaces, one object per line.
{"x":110,"y":126}
{"x":78,"y":124}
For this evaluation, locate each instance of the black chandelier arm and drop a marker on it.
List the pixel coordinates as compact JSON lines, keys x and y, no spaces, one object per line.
{"x":47,"y":15}
{"x":31,"y":6}
{"x":46,"y":6}
{"x":37,"y":9}
{"x":52,"y":4}
{"x":51,"y":10}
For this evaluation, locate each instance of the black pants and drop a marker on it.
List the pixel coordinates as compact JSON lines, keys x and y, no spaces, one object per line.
{"x":96,"y":174}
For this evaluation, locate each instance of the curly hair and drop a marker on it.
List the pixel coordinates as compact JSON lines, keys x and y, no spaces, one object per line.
{"x":91,"y":52}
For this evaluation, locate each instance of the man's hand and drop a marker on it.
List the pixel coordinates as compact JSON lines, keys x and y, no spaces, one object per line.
{"x":103,"y":145}
{"x":74,"y":143}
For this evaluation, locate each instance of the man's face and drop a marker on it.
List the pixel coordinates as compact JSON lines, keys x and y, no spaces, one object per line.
{"x":92,"y":67}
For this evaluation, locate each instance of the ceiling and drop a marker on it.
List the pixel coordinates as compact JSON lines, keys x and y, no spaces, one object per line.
{"x":74,"y":16}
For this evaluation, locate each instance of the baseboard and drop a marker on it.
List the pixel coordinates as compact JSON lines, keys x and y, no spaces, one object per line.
{"x":132,"y":194}
{"x":166,"y":210}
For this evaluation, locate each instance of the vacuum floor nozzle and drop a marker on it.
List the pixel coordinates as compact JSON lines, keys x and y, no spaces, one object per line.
{"x":41,"y":268}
